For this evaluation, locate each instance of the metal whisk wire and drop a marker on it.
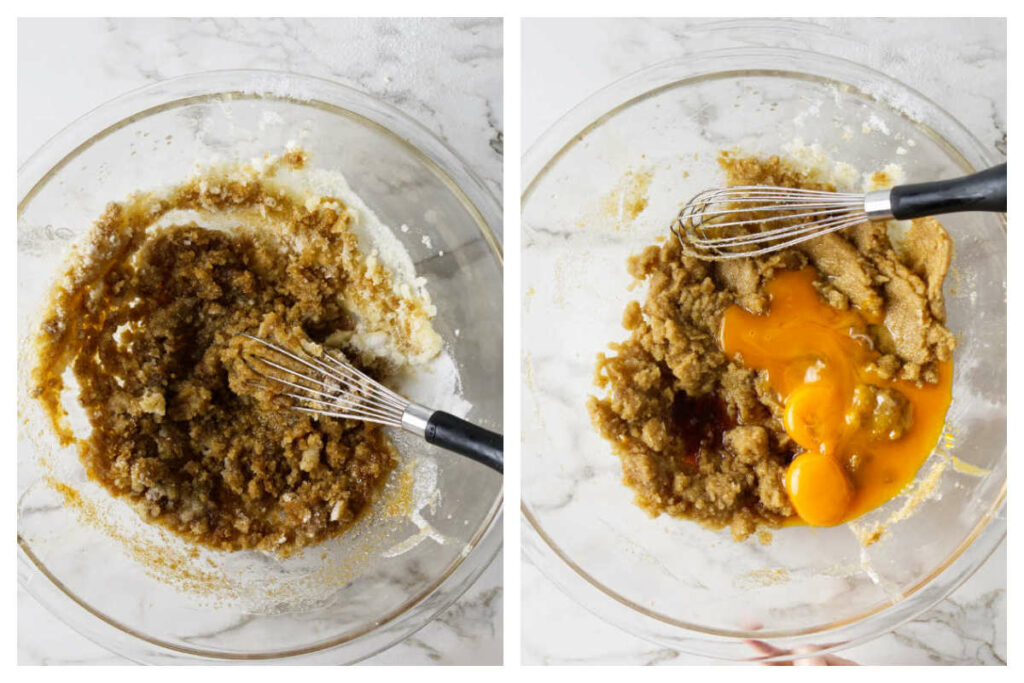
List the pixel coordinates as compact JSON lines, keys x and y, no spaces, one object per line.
{"x":336,"y":389}
{"x":725,"y":223}
{"x":737,"y":222}
{"x":330,"y":386}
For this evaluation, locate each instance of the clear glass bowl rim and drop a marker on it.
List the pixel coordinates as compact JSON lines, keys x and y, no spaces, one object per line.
{"x":573,"y":126}
{"x":343,"y":100}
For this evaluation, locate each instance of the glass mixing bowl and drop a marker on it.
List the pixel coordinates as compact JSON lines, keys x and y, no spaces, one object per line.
{"x":144,"y":593}
{"x":671,"y":581}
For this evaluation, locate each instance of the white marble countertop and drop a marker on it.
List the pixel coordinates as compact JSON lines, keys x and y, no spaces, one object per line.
{"x":564,"y":61}
{"x":445,"y":73}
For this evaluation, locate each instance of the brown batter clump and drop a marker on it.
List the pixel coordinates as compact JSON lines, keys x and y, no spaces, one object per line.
{"x":149,"y":322}
{"x":699,"y":435}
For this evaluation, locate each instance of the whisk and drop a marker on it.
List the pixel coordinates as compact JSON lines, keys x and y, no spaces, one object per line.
{"x":331,"y":387}
{"x":750,"y":220}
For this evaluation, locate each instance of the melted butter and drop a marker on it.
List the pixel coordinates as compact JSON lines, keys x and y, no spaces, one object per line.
{"x":967,"y":468}
{"x":819,"y":360}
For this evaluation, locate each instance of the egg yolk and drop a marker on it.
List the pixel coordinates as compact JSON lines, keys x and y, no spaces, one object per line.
{"x":818,"y":488}
{"x":807,"y":418}
{"x":863,"y":436}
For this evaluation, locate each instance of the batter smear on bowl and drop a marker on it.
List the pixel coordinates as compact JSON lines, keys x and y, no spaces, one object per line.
{"x":147,"y":322}
{"x":807,"y":385}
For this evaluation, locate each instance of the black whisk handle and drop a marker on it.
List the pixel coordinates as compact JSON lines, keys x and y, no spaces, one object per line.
{"x":982,"y":191}
{"x":465,"y":438}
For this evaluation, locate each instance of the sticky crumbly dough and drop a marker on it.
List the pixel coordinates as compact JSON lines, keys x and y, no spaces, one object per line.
{"x":148,"y":318}
{"x":699,"y":435}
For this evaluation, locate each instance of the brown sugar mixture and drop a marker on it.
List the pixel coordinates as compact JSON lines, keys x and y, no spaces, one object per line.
{"x":147,"y":322}
{"x":807,"y":385}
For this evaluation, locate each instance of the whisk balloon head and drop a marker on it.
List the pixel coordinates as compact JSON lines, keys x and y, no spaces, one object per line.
{"x":324,"y":384}
{"x":749,"y":220}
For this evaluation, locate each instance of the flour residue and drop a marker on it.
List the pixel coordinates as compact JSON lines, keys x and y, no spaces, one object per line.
{"x":426,"y":498}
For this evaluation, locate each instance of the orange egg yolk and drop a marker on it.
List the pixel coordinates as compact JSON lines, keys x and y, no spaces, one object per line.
{"x":817,"y":358}
{"x":819,"y":488}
